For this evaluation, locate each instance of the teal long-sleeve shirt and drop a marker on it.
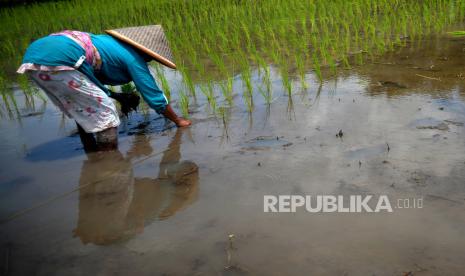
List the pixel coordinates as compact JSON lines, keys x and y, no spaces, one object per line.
{"x":121,"y":63}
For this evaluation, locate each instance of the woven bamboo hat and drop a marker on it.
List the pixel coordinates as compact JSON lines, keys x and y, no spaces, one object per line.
{"x":149,"y":39}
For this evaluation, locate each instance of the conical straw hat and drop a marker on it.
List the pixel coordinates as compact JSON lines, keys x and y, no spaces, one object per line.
{"x":149,"y":39}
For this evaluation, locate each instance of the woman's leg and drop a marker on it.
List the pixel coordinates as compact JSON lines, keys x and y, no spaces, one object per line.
{"x":87,"y":140}
{"x":107,"y":139}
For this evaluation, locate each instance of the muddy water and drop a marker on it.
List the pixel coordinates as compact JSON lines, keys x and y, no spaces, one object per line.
{"x":167,"y":201}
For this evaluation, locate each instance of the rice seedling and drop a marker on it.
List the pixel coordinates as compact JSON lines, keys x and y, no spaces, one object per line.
{"x":224,"y":113}
{"x":184,"y":103}
{"x":286,"y":80}
{"x":300,"y":63}
{"x":207,"y":90}
{"x":227,"y":90}
{"x":267,"y":92}
{"x":248,"y":92}
{"x":11,"y":105}
{"x":247,"y":81}
{"x":189,"y":84}
{"x":317,"y":68}
{"x":30,"y":92}
{"x":164,"y":82}
{"x":457,"y":33}
{"x":128,"y":88}
{"x":290,"y":109}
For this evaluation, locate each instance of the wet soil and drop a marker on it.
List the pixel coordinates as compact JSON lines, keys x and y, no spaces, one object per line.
{"x":168,"y":201}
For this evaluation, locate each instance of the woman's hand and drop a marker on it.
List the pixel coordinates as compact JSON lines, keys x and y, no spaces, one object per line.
{"x":181,"y":122}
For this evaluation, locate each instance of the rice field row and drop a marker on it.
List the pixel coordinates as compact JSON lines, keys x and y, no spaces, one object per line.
{"x":214,"y":41}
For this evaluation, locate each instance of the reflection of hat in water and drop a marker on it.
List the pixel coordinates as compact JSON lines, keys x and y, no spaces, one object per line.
{"x":148,"y":39}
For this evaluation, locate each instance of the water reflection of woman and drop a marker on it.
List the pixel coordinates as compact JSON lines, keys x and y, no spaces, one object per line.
{"x":114,"y":205}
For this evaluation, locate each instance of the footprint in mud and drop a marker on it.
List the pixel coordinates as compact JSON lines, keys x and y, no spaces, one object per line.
{"x":32,"y":114}
{"x":430,"y":123}
{"x":266,"y":142}
{"x":452,"y":122}
{"x":345,"y":188}
{"x":387,"y":85}
{"x":363,"y":153}
{"x":391,"y":84}
{"x":419,"y":178}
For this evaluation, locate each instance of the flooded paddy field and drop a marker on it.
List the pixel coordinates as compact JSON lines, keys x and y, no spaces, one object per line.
{"x":190,"y":201}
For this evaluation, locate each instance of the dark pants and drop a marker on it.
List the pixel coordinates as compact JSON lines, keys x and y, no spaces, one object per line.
{"x":104,"y":140}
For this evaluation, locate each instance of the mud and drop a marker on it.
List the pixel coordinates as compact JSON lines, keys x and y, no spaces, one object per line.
{"x":168,"y":201}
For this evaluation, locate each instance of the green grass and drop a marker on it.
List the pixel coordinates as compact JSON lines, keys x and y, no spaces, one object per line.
{"x":214,"y":40}
{"x":457,"y":33}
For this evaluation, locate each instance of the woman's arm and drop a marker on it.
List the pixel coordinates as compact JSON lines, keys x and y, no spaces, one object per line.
{"x":146,"y":85}
{"x":171,"y":115}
